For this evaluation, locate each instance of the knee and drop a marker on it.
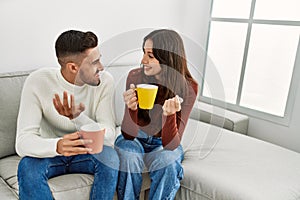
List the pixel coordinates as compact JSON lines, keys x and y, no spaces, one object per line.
{"x":108,"y":157}
{"x":26,"y":164}
{"x":131,"y":155}
{"x":156,"y":162}
{"x":29,"y":168}
{"x":129,"y":150}
{"x":174,"y":170}
{"x":163,"y":160}
{"x":110,"y":153}
{"x":126,"y":146}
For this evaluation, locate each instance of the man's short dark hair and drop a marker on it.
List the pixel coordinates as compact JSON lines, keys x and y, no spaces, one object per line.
{"x":74,"y":42}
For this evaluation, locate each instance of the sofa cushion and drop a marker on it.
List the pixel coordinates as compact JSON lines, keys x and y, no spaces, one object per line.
{"x":8,"y":171}
{"x":11,"y":85}
{"x":6,"y":192}
{"x":69,"y":186}
{"x":221,"y":164}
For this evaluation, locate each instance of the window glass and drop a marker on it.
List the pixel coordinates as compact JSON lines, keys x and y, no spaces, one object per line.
{"x":231,"y":8}
{"x":225,"y":51}
{"x":270,"y":62}
{"x":277,"y":10}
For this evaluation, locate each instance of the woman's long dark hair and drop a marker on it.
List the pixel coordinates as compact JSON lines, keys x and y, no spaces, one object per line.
{"x":168,"y":49}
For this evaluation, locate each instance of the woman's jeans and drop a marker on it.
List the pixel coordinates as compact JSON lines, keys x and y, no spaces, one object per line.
{"x":164,"y":167}
{"x":33,"y":173}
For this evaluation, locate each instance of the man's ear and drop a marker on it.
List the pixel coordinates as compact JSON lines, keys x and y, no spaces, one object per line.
{"x":72,"y":67}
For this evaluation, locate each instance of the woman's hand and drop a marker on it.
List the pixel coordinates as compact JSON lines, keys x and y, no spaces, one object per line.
{"x":63,"y":108}
{"x":171,"y":106}
{"x":130,"y":98}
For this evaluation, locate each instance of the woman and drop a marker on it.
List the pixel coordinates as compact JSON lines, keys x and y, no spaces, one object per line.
{"x":151,"y":138}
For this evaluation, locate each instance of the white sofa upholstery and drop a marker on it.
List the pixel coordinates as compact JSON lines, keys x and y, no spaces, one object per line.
{"x":219,"y":163}
{"x":222,"y":165}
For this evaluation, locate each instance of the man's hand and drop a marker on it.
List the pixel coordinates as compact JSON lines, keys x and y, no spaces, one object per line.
{"x":130,"y":98}
{"x":171,"y":106}
{"x":63,"y":108}
{"x":71,"y":145}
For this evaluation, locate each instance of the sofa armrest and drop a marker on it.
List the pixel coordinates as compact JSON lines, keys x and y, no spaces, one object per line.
{"x":220,"y":117}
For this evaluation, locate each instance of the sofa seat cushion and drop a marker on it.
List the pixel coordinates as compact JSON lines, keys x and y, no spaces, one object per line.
{"x":221,"y":164}
{"x":69,"y":186}
{"x":6,"y":192}
{"x":8,"y":171}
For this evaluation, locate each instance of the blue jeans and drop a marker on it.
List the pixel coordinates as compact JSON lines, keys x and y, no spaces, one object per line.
{"x":164,"y":167}
{"x":33,"y":173}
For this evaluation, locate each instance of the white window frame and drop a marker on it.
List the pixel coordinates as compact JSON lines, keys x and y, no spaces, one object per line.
{"x":295,"y":79}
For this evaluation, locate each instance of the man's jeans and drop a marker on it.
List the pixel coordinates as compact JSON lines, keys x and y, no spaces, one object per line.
{"x":164,"y":167}
{"x":33,"y":173}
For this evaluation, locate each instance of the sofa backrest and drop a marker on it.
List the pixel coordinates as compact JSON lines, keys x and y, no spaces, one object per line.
{"x":11,"y":85}
{"x":119,"y":73}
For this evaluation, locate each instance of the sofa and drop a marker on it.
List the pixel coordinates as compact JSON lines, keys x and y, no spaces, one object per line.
{"x":221,"y":162}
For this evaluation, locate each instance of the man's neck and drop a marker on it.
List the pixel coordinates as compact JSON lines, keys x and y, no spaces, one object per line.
{"x":67,"y":76}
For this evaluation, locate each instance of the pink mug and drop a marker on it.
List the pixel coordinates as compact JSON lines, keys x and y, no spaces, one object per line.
{"x":95,"y":133}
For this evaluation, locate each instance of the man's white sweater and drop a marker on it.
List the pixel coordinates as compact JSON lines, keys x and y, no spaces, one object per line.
{"x":40,"y":126}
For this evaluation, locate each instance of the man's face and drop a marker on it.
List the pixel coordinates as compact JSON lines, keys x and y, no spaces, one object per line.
{"x":90,"y":68}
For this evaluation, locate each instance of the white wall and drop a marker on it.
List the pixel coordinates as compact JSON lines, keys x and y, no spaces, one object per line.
{"x":29,"y":28}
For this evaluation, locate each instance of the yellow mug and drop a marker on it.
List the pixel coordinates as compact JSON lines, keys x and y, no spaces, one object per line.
{"x":146,"y":95}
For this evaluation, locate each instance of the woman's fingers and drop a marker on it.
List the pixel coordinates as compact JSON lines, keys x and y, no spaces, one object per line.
{"x":177,"y":100}
{"x":130,"y":97}
{"x":171,"y":106}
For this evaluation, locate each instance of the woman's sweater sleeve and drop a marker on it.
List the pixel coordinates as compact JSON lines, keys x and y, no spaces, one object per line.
{"x":174,"y":125}
{"x":129,"y":127}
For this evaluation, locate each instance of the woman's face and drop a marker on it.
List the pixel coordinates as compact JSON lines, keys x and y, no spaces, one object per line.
{"x":151,"y":64}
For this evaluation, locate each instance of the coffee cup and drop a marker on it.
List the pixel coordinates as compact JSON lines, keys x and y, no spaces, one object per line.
{"x":95,"y":133}
{"x":146,"y":95}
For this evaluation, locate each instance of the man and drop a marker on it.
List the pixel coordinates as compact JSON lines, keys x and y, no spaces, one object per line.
{"x":47,"y":136}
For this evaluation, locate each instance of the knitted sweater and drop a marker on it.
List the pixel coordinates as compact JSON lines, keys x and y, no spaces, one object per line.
{"x":40,"y":126}
{"x":169,"y":128}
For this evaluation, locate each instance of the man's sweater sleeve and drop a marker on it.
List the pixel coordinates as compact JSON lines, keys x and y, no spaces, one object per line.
{"x":28,"y":139}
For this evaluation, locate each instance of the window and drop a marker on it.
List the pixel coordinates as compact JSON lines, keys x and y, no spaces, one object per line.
{"x":253,"y":44}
